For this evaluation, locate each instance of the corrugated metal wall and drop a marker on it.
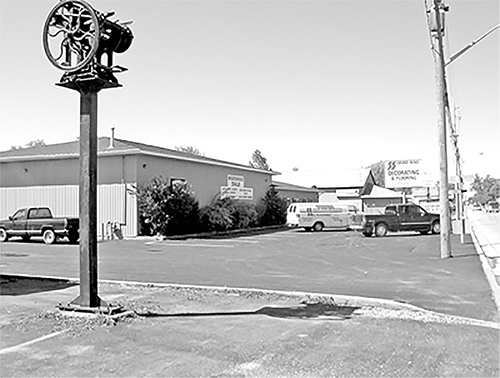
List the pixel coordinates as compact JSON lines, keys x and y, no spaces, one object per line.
{"x":115,"y":203}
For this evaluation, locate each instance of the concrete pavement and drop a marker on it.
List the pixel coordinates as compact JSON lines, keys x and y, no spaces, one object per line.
{"x":201,"y":332}
{"x":485,"y":230}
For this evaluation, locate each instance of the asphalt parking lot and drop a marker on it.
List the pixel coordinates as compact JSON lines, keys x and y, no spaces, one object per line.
{"x":401,"y":267}
{"x":198,"y":323}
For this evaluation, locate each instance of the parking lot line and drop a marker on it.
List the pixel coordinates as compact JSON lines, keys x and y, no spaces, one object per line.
{"x":20,"y":346}
{"x":237,"y":240}
{"x":180,"y":244}
{"x":270,"y":237}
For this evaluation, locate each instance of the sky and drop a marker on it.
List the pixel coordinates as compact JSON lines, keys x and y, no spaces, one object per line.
{"x":313,"y":85}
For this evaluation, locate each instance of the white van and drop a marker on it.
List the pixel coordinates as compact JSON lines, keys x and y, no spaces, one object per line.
{"x":316,"y":216}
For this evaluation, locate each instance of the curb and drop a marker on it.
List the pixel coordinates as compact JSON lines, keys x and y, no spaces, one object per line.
{"x":492,"y":274}
{"x":230,"y":233}
{"x":216,"y":234}
{"x":299,"y":295}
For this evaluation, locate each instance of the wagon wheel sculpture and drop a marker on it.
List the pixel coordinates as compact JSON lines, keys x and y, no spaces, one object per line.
{"x":71,"y":35}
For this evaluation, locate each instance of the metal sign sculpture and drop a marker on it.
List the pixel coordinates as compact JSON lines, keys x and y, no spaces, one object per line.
{"x":76,"y":37}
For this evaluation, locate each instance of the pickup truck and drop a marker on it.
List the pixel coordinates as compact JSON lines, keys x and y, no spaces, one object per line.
{"x":405,"y":217}
{"x":38,"y":221}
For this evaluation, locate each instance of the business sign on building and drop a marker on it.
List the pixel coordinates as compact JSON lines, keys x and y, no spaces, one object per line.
{"x":403,"y":173}
{"x":235,"y":181}
{"x":235,"y":189}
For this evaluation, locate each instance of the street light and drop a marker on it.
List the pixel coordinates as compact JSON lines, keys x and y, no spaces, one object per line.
{"x":456,"y":55}
{"x":454,"y":136}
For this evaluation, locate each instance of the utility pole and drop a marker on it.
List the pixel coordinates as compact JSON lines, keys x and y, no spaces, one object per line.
{"x":436,"y":26}
{"x":435,"y":20}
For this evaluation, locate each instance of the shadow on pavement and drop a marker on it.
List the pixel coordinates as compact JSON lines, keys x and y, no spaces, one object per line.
{"x":303,"y":311}
{"x":15,"y":285}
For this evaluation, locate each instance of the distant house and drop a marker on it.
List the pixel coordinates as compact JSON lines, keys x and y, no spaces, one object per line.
{"x":296,"y":193}
{"x":347,"y":186}
{"x":49,"y":175}
{"x":353,"y":186}
{"x":379,"y":198}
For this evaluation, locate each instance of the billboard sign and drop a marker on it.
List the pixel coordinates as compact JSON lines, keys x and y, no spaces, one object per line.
{"x":403,"y":173}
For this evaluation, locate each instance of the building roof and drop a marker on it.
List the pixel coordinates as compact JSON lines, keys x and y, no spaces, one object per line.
{"x":285,"y":186}
{"x":339,"y":179}
{"x":379,"y":192}
{"x":119,"y":147}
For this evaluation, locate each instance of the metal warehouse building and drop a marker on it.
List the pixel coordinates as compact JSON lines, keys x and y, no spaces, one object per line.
{"x":49,"y":176}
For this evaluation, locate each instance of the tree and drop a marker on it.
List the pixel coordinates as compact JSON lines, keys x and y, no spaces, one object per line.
{"x":258,"y":161}
{"x":486,"y":189}
{"x":378,"y":172}
{"x":167,"y":208}
{"x":33,"y":143}
{"x":36,"y":143}
{"x":272,"y":208}
{"x":190,"y":150}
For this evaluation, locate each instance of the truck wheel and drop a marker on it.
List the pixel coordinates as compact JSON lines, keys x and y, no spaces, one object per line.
{"x":3,"y":235}
{"x":49,"y":237}
{"x":318,"y":226}
{"x":436,"y":228}
{"x":380,"y":230}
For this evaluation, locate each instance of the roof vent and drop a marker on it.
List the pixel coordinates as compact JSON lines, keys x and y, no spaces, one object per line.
{"x":112,"y":139}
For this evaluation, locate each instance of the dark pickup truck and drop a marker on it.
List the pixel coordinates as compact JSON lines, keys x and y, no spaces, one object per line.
{"x":408,"y":217}
{"x":38,"y":221}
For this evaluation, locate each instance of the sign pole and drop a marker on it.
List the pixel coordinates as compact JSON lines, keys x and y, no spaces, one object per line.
{"x":88,"y":198}
{"x":75,"y":38}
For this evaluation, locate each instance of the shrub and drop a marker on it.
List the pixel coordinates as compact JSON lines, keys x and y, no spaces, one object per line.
{"x":228,"y":214}
{"x":167,"y":209}
{"x":215,"y":218}
{"x":272,"y":209}
{"x":243,"y":214}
